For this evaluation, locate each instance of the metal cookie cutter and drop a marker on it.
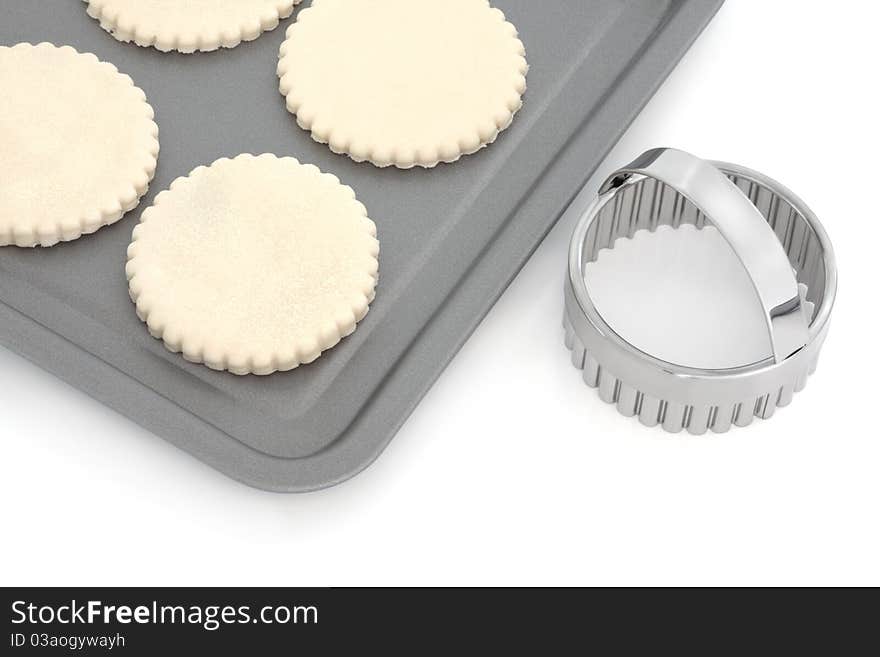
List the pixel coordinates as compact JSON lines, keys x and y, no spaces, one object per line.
{"x":784,"y":251}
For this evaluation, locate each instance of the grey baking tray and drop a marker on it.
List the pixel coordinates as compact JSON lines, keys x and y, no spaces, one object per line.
{"x":452,"y":238}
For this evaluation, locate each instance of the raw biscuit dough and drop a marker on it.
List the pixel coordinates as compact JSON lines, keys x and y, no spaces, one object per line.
{"x":78,"y":144}
{"x":403,"y":82}
{"x":253,"y":265}
{"x":189,"y":25}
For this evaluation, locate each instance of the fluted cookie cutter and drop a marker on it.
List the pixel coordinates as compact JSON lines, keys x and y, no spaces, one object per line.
{"x":783,"y":249}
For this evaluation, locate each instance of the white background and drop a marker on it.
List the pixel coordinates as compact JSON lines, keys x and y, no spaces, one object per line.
{"x":512,"y":471}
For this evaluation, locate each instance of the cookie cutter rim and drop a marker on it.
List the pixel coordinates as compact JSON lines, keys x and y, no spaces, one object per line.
{"x":678,"y":396}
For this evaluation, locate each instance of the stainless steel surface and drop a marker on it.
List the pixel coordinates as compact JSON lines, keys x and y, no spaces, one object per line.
{"x":713,"y":195}
{"x":784,"y":250}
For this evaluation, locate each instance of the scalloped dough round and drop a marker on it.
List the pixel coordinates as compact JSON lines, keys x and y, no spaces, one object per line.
{"x":403,"y":82}
{"x":78,"y":144}
{"x":190,"y":25}
{"x":253,"y":265}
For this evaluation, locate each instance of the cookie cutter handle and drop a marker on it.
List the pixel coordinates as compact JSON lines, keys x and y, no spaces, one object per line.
{"x":743,"y":227}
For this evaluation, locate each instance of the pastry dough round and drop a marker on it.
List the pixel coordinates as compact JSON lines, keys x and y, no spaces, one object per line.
{"x":253,"y":265}
{"x":403,"y":82}
{"x":189,"y":25}
{"x":78,"y":144}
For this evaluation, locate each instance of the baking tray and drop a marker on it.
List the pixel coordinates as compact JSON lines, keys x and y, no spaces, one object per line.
{"x":452,"y":238}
